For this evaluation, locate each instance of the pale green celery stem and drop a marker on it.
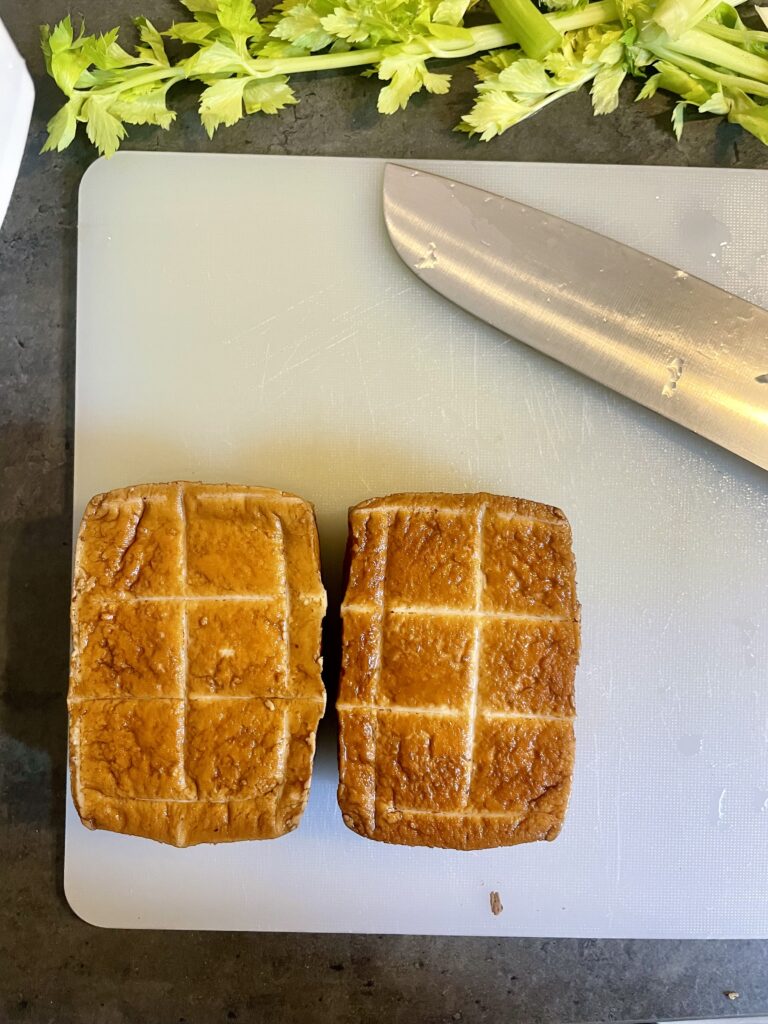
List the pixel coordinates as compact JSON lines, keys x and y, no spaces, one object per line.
{"x":693,"y":67}
{"x":597,"y":13}
{"x":733,"y":35}
{"x":484,"y":37}
{"x":263,"y":67}
{"x":700,"y":46}
{"x":161,"y":74}
{"x":491,"y":37}
{"x":535,"y":34}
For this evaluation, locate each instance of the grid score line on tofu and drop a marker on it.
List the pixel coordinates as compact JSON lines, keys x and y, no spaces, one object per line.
{"x":130,"y":542}
{"x":511,"y":699}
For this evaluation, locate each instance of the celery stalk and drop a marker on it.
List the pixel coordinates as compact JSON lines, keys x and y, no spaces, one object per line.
{"x":677,"y":16}
{"x":704,"y":47}
{"x":734,"y":35}
{"x":707,"y":73}
{"x":703,"y":54}
{"x":597,"y":12}
{"x":534,"y":33}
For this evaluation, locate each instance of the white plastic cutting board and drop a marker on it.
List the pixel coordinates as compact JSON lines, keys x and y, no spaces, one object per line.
{"x":245,"y":319}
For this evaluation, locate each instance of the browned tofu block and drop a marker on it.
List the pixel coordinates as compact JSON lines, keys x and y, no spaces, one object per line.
{"x":195,"y":688}
{"x":460,"y":645}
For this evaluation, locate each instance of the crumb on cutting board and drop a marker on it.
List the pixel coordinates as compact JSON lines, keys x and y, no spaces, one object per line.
{"x":496,"y":904}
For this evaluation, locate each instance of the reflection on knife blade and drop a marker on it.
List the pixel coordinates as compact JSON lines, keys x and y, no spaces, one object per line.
{"x":691,"y":352}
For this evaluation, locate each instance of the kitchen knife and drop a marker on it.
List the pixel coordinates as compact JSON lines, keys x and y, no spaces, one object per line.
{"x":657,"y":335}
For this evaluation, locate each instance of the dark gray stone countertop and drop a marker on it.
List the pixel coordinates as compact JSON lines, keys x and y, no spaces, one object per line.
{"x":52,"y":966}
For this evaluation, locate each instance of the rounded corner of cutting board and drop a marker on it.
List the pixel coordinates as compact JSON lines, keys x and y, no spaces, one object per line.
{"x":81,"y":908}
{"x":102,"y":170}
{"x":93,"y":173}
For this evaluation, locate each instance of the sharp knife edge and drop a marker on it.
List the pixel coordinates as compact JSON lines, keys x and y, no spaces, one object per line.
{"x":678,"y":345}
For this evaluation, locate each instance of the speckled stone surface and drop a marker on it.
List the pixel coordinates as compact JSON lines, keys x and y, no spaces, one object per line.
{"x":52,"y":966}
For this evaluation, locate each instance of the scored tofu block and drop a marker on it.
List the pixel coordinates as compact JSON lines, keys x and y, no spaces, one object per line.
{"x":195,"y":688}
{"x":460,"y":645}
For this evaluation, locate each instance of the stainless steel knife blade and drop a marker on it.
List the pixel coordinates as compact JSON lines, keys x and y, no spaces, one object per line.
{"x":652,"y":332}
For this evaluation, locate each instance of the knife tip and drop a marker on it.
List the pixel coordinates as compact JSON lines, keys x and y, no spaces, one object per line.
{"x":394,"y":172}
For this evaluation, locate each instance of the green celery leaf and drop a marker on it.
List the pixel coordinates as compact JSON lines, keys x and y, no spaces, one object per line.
{"x":492,"y":114}
{"x":105,"y":53}
{"x":717,"y":103}
{"x":345,"y":25}
{"x":492,"y":63}
{"x":45,"y":46}
{"x":63,"y":125}
{"x":189,"y":31}
{"x":104,"y":129}
{"x":144,"y":107}
{"x":66,"y":58}
{"x":215,"y":59}
{"x":605,"y":88}
{"x":451,"y":12}
{"x":525,"y":77}
{"x":407,"y":75}
{"x":374,"y":22}
{"x":603,"y":47}
{"x":208,"y":6}
{"x":636,"y":57}
{"x":678,"y":119}
{"x":238,"y":17}
{"x":579,"y":57}
{"x":153,"y":49}
{"x":302,"y":26}
{"x":650,"y":88}
{"x":274,"y":49}
{"x":525,"y":86}
{"x":268,"y":95}
{"x":753,"y":117}
{"x":279,"y":10}
{"x":61,"y":37}
{"x":67,"y":68}
{"x":222,"y":103}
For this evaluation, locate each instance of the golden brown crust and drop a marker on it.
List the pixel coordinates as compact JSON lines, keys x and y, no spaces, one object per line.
{"x":460,"y":643}
{"x":195,"y":688}
{"x":441,"y":500}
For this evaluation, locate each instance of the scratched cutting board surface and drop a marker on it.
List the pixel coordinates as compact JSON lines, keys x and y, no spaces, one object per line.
{"x":245,"y":319}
